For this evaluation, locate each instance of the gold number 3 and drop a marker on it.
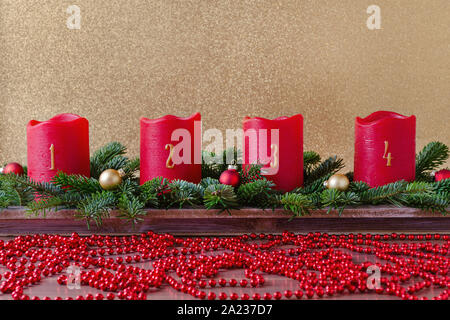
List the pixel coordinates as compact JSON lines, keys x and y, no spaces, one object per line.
{"x":169,"y":159}
{"x":387,"y":156}
{"x":274,"y":162}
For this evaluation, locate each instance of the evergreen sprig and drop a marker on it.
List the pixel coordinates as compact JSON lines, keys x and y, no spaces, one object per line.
{"x":130,"y":198}
{"x":97,"y":207}
{"x":220,"y":196}
{"x":108,"y":157}
{"x":131,"y":209}
{"x":258,"y":194}
{"x":430,"y":158}
{"x":326,"y":167}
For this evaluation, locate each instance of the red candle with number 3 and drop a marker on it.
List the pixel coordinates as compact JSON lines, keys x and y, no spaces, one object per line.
{"x":171,"y":148}
{"x":385,"y":148}
{"x":59,"y":144}
{"x":278,"y":145}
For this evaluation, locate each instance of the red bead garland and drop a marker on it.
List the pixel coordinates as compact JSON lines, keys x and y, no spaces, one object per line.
{"x":317,"y":261}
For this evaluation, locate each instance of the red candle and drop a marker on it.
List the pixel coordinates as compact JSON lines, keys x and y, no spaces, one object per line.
{"x":385,"y":148}
{"x":59,"y":144}
{"x":171,"y":148}
{"x":278,"y":145}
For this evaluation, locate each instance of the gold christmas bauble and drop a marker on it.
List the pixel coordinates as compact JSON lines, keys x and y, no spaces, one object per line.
{"x":110,"y":179}
{"x":337,"y":181}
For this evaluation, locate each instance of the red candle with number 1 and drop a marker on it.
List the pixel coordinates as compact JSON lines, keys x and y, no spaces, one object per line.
{"x":58,"y":144}
{"x":385,"y":144}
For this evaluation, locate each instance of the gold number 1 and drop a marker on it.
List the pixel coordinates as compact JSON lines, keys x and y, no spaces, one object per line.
{"x":52,"y":157}
{"x":387,"y":156}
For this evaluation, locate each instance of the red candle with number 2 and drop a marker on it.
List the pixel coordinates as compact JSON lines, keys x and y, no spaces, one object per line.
{"x":385,"y":148}
{"x":59,"y":144}
{"x":171,"y":148}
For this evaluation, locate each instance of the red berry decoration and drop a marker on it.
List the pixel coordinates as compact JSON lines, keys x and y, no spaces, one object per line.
{"x":230,"y":177}
{"x":13,"y":167}
{"x":442,"y":175}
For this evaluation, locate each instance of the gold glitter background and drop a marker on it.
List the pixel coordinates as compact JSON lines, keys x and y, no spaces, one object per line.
{"x":226,"y":59}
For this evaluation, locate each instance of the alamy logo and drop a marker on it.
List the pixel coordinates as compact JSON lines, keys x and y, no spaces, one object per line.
{"x":373,"y":281}
{"x":73,"y":277}
{"x":374,"y":20}
{"x":74,"y":21}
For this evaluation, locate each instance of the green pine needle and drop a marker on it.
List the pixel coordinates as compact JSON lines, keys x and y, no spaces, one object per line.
{"x":131,"y":209}
{"x":109,"y":156}
{"x":430,"y":158}
{"x":258,"y":194}
{"x":220,"y":196}
{"x":327,"y":167}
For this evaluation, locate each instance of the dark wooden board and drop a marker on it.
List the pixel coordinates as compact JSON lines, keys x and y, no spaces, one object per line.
{"x":14,"y":221}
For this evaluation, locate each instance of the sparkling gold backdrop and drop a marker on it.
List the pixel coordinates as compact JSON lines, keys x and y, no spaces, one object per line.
{"x":225,"y":59}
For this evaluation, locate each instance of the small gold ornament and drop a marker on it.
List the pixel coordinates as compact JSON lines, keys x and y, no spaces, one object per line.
{"x":337,"y":181}
{"x":111,"y":179}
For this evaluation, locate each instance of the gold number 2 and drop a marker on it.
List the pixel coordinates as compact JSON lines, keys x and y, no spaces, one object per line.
{"x":52,"y":157}
{"x":169,"y":159}
{"x":387,"y":156}
{"x":274,"y":162}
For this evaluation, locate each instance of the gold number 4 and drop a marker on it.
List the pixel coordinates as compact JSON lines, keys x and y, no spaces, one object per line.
{"x":387,"y":156}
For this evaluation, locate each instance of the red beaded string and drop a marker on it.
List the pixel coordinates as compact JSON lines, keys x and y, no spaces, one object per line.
{"x":191,"y":265}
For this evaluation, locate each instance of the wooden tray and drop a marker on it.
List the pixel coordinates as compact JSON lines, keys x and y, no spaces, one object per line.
{"x":14,"y":221}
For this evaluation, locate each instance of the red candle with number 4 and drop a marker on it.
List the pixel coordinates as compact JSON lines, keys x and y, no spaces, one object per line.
{"x":58,"y":144}
{"x":385,"y":148}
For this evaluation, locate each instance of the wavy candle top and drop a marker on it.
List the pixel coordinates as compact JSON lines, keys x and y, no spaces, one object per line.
{"x":382,"y":116}
{"x":195,"y":117}
{"x":60,"y":119}
{"x":282,"y":118}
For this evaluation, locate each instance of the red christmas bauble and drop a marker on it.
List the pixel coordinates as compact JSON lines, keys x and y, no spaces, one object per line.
{"x":230,"y":177}
{"x":13,"y":167}
{"x":442,"y":175}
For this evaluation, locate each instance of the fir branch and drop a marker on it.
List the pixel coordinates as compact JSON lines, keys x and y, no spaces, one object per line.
{"x":128,"y":187}
{"x":441,"y":186}
{"x":131,"y":209}
{"x":156,"y":192}
{"x":220,"y":196}
{"x":430,"y":158}
{"x":42,"y":206}
{"x":41,"y":188}
{"x":427,"y":202}
{"x":131,"y":167}
{"x":327,"y":167}
{"x":313,"y":187}
{"x":96,"y":207}
{"x":251,"y":173}
{"x":206,"y":182}
{"x":338,"y":200}
{"x":108,"y":157}
{"x":310,"y":159}
{"x":358,"y":186}
{"x":299,"y":204}
{"x":258,"y":193}
{"x":213,"y":165}
{"x":384,"y":193}
{"x":183,"y":192}
{"x":76,"y":183}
